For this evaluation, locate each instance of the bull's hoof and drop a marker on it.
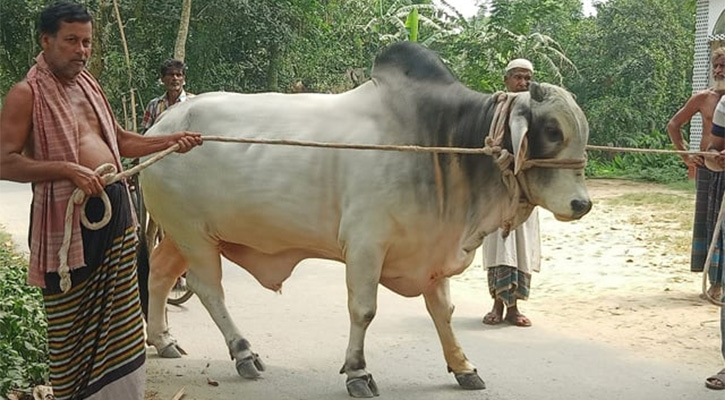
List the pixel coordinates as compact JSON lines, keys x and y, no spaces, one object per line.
{"x":362,"y":387}
{"x":172,"y":350}
{"x":470,"y":380}
{"x":250,"y":367}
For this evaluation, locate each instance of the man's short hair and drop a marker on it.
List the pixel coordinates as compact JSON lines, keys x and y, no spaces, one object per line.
{"x":170,"y":64}
{"x":717,"y":53}
{"x":61,"y":11}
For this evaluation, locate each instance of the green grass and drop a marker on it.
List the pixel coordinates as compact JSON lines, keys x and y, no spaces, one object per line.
{"x":668,"y":214}
{"x":23,"y":345}
{"x":656,"y":200}
{"x":686,"y":186}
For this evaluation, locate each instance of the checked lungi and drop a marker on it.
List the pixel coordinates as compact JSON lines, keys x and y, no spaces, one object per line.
{"x":710,"y":188}
{"x":508,"y":284}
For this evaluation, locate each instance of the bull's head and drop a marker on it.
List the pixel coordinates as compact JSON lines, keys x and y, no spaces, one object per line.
{"x":549,"y":133}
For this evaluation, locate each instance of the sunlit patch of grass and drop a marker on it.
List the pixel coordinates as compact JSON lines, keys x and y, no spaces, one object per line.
{"x":667,"y":217}
{"x":685,"y":186}
{"x":656,"y":199}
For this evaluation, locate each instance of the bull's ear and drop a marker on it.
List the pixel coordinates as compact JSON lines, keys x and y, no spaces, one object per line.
{"x":538,"y":92}
{"x":519,"y":127}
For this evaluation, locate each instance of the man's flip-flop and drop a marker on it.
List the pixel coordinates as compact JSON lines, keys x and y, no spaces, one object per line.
{"x":492,"y":318}
{"x":717,"y":381}
{"x":518,"y":320}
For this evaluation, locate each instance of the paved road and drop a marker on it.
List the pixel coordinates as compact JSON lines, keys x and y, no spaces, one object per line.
{"x":302,"y":334}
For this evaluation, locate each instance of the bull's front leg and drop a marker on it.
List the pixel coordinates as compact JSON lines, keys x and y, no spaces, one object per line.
{"x":363,"y":267}
{"x":167,"y":265}
{"x":205,"y":279}
{"x":440,"y":308}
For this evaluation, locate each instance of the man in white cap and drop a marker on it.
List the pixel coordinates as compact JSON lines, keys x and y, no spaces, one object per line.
{"x":509,"y":261}
{"x":518,"y":75}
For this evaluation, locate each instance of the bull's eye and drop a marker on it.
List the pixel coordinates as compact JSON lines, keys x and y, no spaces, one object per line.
{"x":553,"y":134}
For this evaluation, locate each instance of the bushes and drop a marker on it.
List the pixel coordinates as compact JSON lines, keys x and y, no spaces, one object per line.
{"x":23,"y":346}
{"x":661,"y":168}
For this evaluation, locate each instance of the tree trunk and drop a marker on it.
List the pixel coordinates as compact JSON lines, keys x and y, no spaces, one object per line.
{"x":95,"y":64}
{"x":273,"y":67}
{"x":128,"y":67}
{"x":180,"y":47}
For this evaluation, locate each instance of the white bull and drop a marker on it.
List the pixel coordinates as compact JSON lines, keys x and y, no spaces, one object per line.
{"x":404,"y":220}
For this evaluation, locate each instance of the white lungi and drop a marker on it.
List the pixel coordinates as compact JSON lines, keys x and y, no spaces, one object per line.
{"x":521,"y":249}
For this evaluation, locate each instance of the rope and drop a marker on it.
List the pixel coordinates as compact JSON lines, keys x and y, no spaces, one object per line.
{"x":492,"y":147}
{"x":505,"y":160}
{"x":654,"y":151}
{"x":78,"y":197}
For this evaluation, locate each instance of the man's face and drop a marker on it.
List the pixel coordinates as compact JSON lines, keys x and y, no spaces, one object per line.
{"x":67,"y":52}
{"x":718,"y":69}
{"x":173,"y":80}
{"x":517,"y":80}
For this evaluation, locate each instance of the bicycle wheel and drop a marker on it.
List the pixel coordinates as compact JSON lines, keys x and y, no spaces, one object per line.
{"x":180,"y":293}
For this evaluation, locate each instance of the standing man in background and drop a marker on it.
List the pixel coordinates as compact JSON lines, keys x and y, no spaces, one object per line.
{"x":173,"y":76}
{"x":710,"y":184}
{"x":511,"y":260}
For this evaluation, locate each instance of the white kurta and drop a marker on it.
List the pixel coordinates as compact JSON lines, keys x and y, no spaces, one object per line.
{"x":521,"y":249}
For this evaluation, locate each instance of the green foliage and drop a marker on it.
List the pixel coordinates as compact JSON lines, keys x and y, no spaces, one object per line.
{"x":630,"y":65}
{"x":485,"y":44}
{"x":18,"y":46}
{"x":23,"y":345}
{"x":663,"y":168}
{"x":411,"y":24}
{"x":635,"y":67}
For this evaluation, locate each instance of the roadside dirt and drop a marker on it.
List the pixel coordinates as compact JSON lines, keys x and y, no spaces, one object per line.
{"x":621,"y":276}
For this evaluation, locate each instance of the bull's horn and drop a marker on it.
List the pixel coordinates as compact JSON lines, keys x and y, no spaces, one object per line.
{"x":538,"y":92}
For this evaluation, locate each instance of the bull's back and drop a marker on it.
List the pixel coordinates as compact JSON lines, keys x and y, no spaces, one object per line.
{"x":269,"y":196}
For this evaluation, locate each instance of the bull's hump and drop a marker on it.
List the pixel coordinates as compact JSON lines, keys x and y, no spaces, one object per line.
{"x":412,"y":61}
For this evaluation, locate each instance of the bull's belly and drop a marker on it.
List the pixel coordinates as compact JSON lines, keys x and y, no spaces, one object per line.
{"x":412,"y":270}
{"x":412,"y":280}
{"x":270,"y":251}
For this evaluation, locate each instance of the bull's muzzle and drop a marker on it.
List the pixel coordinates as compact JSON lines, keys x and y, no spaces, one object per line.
{"x":580,"y":208}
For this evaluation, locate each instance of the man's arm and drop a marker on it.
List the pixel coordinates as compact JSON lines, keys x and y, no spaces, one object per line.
{"x":674,"y":127}
{"x":133,"y":145}
{"x":16,"y":119}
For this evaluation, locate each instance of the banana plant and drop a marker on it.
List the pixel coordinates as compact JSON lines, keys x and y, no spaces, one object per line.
{"x":411,"y":24}
{"x":406,"y":21}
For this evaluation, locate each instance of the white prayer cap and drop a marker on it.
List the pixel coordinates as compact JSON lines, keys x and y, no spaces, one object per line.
{"x":520,"y":63}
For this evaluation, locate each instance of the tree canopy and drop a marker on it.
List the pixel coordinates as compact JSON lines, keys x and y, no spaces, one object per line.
{"x":630,"y":65}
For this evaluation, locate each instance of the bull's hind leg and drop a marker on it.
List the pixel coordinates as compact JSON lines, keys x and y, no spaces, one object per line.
{"x":440,"y":308}
{"x":167,"y":265}
{"x":362,"y":277}
{"x":205,"y":279}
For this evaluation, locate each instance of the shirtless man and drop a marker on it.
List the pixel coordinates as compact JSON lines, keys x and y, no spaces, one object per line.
{"x":717,"y":163}
{"x":710,"y":184}
{"x":56,"y":129}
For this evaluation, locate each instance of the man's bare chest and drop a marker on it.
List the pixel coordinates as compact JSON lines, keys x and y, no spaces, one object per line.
{"x":84,"y":112}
